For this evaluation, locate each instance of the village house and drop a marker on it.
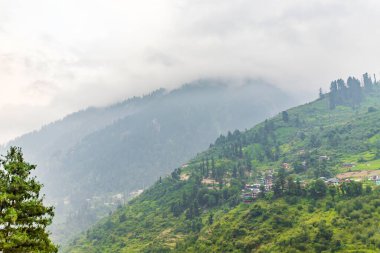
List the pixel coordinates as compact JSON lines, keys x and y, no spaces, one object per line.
{"x":348,"y":165}
{"x":375,"y":179}
{"x":247,"y":197}
{"x":324,"y":158}
{"x":332,"y":181}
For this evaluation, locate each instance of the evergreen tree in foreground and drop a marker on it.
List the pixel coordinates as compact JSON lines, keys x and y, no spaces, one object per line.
{"x":23,"y":216}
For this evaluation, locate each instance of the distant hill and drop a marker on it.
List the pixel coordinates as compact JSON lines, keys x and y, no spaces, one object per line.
{"x":93,"y":160}
{"x":306,"y":180}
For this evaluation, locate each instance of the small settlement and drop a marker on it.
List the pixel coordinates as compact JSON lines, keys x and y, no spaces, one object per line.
{"x":265,"y":183}
{"x":252,"y":191}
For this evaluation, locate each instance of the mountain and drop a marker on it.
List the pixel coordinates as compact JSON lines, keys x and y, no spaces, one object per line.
{"x":305,"y":180}
{"x":94,"y":160}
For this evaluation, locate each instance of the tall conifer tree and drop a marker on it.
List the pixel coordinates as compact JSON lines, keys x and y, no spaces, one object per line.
{"x":23,"y":215}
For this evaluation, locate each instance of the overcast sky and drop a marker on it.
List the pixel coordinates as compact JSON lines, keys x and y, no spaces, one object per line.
{"x":58,"y":56}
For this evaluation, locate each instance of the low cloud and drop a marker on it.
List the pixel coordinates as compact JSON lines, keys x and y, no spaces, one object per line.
{"x":60,"y":56}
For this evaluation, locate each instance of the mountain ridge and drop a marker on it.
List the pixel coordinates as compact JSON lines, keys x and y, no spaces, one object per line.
{"x":199,"y":207}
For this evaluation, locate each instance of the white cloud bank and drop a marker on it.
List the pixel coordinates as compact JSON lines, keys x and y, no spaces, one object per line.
{"x":60,"y":56}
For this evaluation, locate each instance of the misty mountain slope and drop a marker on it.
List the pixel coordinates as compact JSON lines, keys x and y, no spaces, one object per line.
{"x":211,"y":205}
{"x":89,"y":156}
{"x":55,"y":139}
{"x":164,"y":136}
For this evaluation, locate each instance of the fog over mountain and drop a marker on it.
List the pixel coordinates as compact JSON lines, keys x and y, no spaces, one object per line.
{"x":96,"y":155}
{"x":60,"y":56}
{"x":92,"y":90}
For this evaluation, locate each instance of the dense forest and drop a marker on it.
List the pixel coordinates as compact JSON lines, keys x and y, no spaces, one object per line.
{"x":303,"y":181}
{"x":349,"y":93}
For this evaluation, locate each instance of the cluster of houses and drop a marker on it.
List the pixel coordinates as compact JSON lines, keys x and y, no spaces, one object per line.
{"x":338,"y":181}
{"x":252,"y":191}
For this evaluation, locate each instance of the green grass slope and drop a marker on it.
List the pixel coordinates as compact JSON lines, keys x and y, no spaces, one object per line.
{"x":199,"y":208}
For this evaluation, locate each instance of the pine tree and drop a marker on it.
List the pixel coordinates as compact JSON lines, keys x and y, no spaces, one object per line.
{"x":210,"y":219}
{"x":368,"y":85}
{"x":285,"y":116}
{"x":24,"y":217}
{"x":333,"y":95}
{"x":354,"y":91}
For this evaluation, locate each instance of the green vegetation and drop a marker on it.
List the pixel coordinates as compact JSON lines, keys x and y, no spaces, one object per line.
{"x":24,"y":218}
{"x":205,"y":207}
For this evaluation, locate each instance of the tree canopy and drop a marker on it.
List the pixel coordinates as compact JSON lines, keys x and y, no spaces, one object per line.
{"x":24,"y":217}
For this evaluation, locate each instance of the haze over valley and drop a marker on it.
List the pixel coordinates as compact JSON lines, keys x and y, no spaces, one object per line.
{"x":189,"y":126}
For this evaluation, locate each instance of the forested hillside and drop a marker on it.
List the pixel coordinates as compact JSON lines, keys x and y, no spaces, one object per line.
{"x":303,"y":181}
{"x":95,"y":159}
